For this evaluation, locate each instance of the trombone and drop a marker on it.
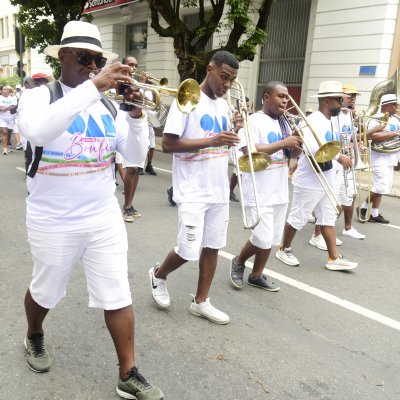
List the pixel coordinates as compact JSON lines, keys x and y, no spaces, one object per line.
{"x":322,"y":154}
{"x":251,"y":162}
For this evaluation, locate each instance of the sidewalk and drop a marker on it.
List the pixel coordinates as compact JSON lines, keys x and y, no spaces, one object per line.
{"x":396,"y":176}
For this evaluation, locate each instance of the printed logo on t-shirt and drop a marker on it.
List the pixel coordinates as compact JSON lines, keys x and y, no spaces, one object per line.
{"x":331,"y":136}
{"x":91,"y":146}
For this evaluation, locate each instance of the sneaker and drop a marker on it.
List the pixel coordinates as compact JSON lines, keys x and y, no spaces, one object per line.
{"x":340,"y":264}
{"x":208,"y":311}
{"x":136,"y":387}
{"x":236,"y":274}
{"x":159,"y":289}
{"x":311,"y":219}
{"x":318,"y":241}
{"x":353,"y":232}
{"x":287,"y":257}
{"x":18,"y":146}
{"x":233,"y":197}
{"x":380,"y":219}
{"x":150,"y":170}
{"x":37,"y":356}
{"x":338,"y":242}
{"x":361,"y":213}
{"x":170,"y":193}
{"x":5,"y":152}
{"x":263,"y":282}
{"x":141,"y":171}
{"x":10,"y":149}
{"x":127,"y":214}
{"x":136,"y":213}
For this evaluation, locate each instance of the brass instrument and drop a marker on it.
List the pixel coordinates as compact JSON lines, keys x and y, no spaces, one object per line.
{"x":327,"y":151}
{"x":151,"y":80}
{"x":312,"y":159}
{"x":391,"y":145}
{"x":251,"y":162}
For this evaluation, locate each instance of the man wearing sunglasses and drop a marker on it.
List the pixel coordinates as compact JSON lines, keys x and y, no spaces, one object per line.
{"x":72,"y":212}
{"x":308,"y":194}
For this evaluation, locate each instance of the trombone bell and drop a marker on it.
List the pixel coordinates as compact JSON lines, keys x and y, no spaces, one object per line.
{"x":260,"y":160}
{"x":327,"y":151}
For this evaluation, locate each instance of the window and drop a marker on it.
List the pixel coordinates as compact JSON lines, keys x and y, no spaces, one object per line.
{"x":6,"y":28}
{"x":137,"y":43}
{"x":1,"y":28}
{"x":192,"y":21}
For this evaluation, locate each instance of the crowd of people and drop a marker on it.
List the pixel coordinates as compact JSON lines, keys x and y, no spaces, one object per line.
{"x":77,"y":139}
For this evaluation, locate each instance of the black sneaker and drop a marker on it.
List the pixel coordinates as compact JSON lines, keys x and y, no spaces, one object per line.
{"x":232,"y":197}
{"x":236,"y":274}
{"x":136,"y":387}
{"x":149,"y":169}
{"x":379,"y":219}
{"x":263,"y":282}
{"x":141,"y":171}
{"x":170,"y":193}
{"x":361,"y":212}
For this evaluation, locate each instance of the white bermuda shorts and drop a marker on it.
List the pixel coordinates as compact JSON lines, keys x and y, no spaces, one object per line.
{"x":201,"y":225}
{"x":346,"y":197}
{"x":269,"y":231}
{"x":103,"y":254}
{"x":382,"y":179}
{"x":152,"y":138}
{"x":307,"y":200}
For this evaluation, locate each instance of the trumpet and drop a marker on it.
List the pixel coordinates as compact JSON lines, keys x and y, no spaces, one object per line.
{"x":323,"y":153}
{"x":251,"y":162}
{"x":150,"y":79}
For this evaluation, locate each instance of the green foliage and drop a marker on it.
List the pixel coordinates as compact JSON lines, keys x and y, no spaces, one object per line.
{"x":10,"y":81}
{"x":42,"y":22}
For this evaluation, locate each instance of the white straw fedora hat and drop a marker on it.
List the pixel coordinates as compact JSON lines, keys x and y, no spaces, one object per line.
{"x":388,"y":99}
{"x":81,"y":35}
{"x":330,"y":89}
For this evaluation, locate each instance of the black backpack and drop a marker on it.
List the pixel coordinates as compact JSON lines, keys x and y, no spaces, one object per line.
{"x":56,"y":93}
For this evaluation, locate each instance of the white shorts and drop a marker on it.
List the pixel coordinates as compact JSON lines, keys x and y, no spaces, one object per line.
{"x":382,"y":179}
{"x":304,"y":202}
{"x":118,"y":158}
{"x":201,"y":225}
{"x":103,"y":254}
{"x":346,"y":197}
{"x":152,"y":138}
{"x":269,"y":231}
{"x":7,"y":122}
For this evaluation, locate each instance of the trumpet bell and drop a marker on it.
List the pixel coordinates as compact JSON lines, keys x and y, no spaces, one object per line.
{"x":261,"y":161}
{"x":327,"y":151}
{"x":188,"y":96}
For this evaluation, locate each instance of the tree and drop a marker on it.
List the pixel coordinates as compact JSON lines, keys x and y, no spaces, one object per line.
{"x":42,"y":22}
{"x":190,"y":44}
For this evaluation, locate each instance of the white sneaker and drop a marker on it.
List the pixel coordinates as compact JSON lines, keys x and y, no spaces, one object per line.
{"x":159,"y":289}
{"x":353,"y":232}
{"x":311,"y":219}
{"x":338,"y":242}
{"x":208,"y":311}
{"x":340,"y":264}
{"x":318,"y":241}
{"x":287,"y":257}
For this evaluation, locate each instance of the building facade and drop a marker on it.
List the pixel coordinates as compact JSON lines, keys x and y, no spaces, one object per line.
{"x":308,"y":41}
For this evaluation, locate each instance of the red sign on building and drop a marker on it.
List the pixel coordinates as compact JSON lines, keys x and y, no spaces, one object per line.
{"x":97,"y":5}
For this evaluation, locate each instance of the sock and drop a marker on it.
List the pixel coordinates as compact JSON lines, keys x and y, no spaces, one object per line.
{"x":364,"y":204}
{"x":374,"y":212}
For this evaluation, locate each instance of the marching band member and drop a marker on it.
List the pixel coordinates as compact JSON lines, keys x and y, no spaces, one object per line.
{"x":200,"y":141}
{"x":382,"y":164}
{"x":271,"y":134}
{"x":308,"y":195}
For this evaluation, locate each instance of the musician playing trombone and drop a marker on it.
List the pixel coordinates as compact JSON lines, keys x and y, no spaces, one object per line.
{"x":382,"y":164}
{"x":308,"y":191}
{"x":272,"y":135}
{"x":200,"y":142}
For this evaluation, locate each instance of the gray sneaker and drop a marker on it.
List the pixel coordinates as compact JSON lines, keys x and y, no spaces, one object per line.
{"x":127,"y":214}
{"x":37,"y":356}
{"x":136,"y":387}
{"x":264,"y":283}
{"x":236,"y":274}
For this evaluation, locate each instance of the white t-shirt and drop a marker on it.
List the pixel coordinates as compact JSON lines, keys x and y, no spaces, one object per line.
{"x":74,"y":186}
{"x":327,"y":130}
{"x":200,"y":176}
{"x":271,"y":183}
{"x":7,"y":101}
{"x":382,"y":159}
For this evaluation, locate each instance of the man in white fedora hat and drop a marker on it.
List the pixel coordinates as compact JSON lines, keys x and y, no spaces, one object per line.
{"x":72,"y":212}
{"x":382,"y":163}
{"x":308,"y":193}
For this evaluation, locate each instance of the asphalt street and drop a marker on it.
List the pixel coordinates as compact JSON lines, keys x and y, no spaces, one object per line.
{"x":325,"y":335}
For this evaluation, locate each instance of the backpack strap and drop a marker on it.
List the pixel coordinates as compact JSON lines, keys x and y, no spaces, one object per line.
{"x":56,"y":93}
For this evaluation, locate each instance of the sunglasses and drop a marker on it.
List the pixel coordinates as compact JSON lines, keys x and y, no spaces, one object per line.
{"x":86,"y":59}
{"x":338,"y":99}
